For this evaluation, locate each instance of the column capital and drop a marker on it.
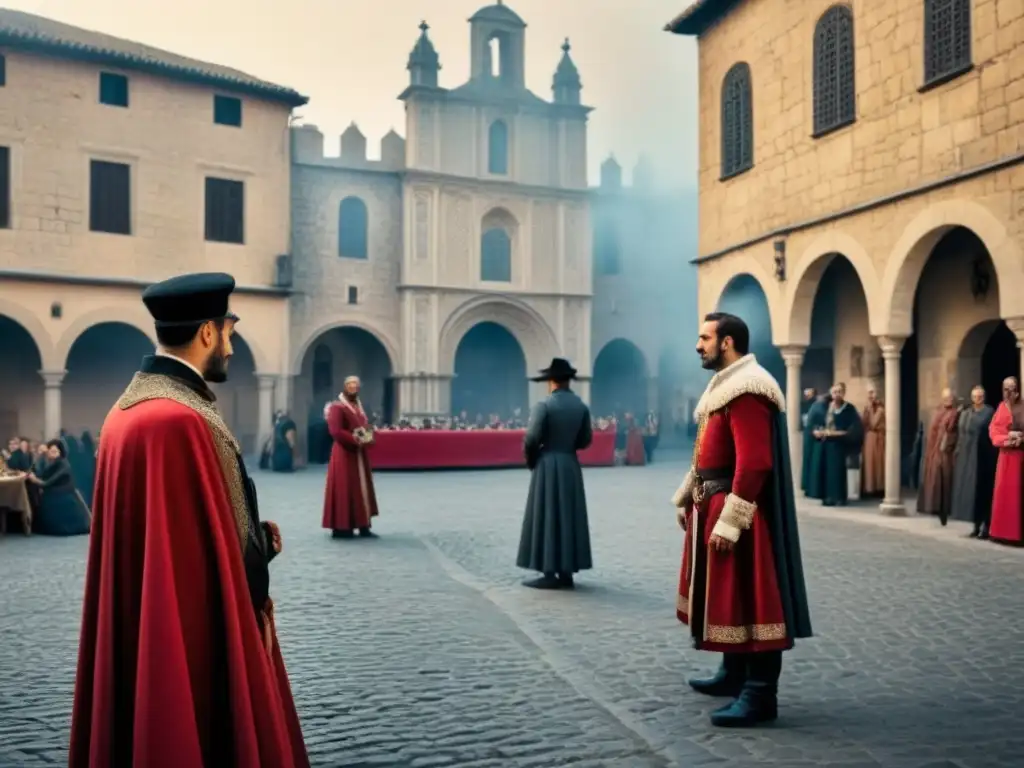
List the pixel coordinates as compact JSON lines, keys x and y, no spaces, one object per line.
{"x":891,"y":346}
{"x":53,"y":379}
{"x":1015,"y":324}
{"x":267,"y":380}
{"x":793,"y":354}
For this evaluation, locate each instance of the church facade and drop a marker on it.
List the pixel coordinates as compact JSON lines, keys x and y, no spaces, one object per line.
{"x":862,"y":165}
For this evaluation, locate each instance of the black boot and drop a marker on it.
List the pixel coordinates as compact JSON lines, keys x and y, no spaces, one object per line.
{"x":366,"y":533}
{"x":729,"y":679}
{"x":758,"y":701}
{"x":547,"y":581}
{"x":565,"y":580}
{"x":341,"y":534}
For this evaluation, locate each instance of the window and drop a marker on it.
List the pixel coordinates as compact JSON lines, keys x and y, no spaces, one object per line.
{"x":113,"y":89}
{"x":496,"y":256}
{"x":225,"y":211}
{"x":835,"y":96}
{"x":497,"y":148}
{"x":353,"y":295}
{"x":606,"y":250}
{"x":227,"y":110}
{"x":5,"y":187}
{"x":947,"y":39}
{"x":737,"y":122}
{"x":110,"y":197}
{"x":352,"y":226}
{"x":3,"y":70}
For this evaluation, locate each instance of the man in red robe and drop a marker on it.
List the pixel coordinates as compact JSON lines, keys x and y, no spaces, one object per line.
{"x":350,"y":502}
{"x":178,"y":663}
{"x":1007,"y":434}
{"x":741,"y":588}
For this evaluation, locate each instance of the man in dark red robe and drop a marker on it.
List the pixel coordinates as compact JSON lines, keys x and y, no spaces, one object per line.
{"x":1007,"y":434}
{"x":350,"y":502}
{"x":178,"y":663}
{"x":741,"y":587}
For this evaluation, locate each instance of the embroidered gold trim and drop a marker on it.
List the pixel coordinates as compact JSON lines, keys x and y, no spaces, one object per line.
{"x":744,"y":377}
{"x":717,"y":633}
{"x":738,"y":512}
{"x":683,"y":604}
{"x":152,"y":386}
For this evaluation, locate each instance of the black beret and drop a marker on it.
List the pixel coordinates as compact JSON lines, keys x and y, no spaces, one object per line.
{"x":190,"y":299}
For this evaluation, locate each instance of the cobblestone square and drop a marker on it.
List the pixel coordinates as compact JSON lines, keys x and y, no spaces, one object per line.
{"x":421,"y":648}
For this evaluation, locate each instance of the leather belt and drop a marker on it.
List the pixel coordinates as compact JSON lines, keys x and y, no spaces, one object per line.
{"x":708,"y":482}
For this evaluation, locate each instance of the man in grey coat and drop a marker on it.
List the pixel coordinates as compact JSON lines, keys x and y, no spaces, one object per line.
{"x":556,"y":537}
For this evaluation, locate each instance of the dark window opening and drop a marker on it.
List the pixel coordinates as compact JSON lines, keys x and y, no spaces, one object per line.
{"x":353,"y":295}
{"x":353,"y":222}
{"x":110,"y":197}
{"x":5,"y":187}
{"x":113,"y":89}
{"x":227,"y":110}
{"x":947,"y":39}
{"x":737,"y":122}
{"x":497,"y":148}
{"x":225,"y":211}
{"x":496,"y":256}
{"x":3,"y":70}
{"x":835,"y":94}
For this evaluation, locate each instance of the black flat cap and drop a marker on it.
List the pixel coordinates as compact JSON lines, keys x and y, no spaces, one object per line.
{"x":559,"y":370}
{"x":190,"y":299}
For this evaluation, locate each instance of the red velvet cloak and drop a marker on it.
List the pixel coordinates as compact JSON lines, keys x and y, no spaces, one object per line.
{"x":172,"y":666}
{"x":349,"y":498}
{"x":1007,"y":522}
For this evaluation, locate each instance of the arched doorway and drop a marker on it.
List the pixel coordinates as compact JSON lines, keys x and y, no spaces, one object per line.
{"x":841,"y":347}
{"x":100,"y":363}
{"x":988,"y":354}
{"x":490,"y":374}
{"x":238,"y":397}
{"x":620,"y":380}
{"x":21,"y":388}
{"x":744,"y":298}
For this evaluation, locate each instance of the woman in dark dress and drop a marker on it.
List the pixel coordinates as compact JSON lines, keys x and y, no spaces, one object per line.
{"x":282,"y":458}
{"x":62,"y":511}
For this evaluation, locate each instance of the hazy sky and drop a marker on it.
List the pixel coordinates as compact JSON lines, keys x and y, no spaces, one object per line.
{"x":349,"y":57}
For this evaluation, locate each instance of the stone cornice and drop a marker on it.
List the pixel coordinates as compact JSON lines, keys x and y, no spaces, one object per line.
{"x":413,"y":175}
{"x":458,"y":289}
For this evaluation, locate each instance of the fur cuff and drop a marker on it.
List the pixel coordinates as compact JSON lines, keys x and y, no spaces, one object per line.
{"x":736,"y":517}
{"x":684,"y":493}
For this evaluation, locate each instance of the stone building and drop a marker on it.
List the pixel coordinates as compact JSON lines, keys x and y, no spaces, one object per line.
{"x":121,"y":164}
{"x":645,"y":292}
{"x":461,"y":256}
{"x":862,"y":163}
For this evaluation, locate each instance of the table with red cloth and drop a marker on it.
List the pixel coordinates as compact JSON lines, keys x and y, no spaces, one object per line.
{"x":469,"y":449}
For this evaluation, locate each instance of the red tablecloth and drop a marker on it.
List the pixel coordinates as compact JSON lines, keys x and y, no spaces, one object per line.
{"x":441,"y":449}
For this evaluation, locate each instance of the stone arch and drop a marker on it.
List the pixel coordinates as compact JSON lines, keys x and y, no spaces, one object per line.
{"x":138,"y":319}
{"x":913,"y":249}
{"x":794,"y":325}
{"x":987,"y":355}
{"x":535,"y":336}
{"x":385,"y":340}
{"x":621,"y":371}
{"x":34,"y":327}
{"x":711,"y":295}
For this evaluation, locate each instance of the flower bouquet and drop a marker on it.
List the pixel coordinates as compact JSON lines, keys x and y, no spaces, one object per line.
{"x":363,"y":435}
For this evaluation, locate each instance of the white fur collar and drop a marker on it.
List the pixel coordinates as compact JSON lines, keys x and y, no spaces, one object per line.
{"x":745,"y":376}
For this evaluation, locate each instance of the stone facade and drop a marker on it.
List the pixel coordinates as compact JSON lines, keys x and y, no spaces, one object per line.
{"x":62,"y":282}
{"x":919,"y":196}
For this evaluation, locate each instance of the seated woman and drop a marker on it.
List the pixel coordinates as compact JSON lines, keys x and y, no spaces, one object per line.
{"x":62,"y":511}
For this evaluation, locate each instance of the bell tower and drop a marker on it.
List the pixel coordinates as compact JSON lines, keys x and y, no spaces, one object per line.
{"x":498,"y":50}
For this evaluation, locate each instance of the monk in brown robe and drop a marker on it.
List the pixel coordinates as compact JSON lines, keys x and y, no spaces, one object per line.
{"x":872,"y":472}
{"x":936,"y":494}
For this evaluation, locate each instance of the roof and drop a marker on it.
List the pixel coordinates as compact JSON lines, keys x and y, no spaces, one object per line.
{"x":498,"y":12}
{"x":38,"y":34}
{"x":700,"y":16}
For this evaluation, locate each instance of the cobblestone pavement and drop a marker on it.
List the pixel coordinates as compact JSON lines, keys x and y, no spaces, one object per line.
{"x":421,"y":649}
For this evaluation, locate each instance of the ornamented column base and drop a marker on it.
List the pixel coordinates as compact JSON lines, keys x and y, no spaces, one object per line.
{"x":893,"y":509}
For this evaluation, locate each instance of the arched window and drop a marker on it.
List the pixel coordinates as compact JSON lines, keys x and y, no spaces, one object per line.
{"x":497,"y":148}
{"x":947,"y":39}
{"x":352,"y":226}
{"x":606,"y":249}
{"x":496,"y":256}
{"x":737,"y":122}
{"x":835,"y":96}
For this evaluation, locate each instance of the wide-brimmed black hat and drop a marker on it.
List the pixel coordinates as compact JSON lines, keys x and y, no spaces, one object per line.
{"x":190,"y":299}
{"x":559,"y":370}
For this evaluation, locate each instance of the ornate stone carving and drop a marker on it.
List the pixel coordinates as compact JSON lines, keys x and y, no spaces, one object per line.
{"x":891,"y":346}
{"x":421,"y":243}
{"x":421,"y":335}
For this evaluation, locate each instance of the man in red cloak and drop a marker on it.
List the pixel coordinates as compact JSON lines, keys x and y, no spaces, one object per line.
{"x":178,"y":663}
{"x":1006,"y":431}
{"x":741,"y":588}
{"x":350,"y":502}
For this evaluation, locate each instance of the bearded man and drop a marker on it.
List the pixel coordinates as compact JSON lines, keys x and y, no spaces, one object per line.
{"x":741,"y":588}
{"x":178,"y":661}
{"x":350,"y":502}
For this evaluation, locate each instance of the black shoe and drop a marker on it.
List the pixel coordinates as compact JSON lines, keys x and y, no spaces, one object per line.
{"x":341,"y":534}
{"x":565,"y":580}
{"x":975,"y":534}
{"x":943,"y":519}
{"x":366,"y":533}
{"x":547,"y":581}
{"x":728,"y":681}
{"x":753,"y":707}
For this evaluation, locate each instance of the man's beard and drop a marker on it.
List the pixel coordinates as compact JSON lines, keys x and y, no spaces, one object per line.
{"x":216,"y":369}
{"x":351,"y":396}
{"x":711,"y":362}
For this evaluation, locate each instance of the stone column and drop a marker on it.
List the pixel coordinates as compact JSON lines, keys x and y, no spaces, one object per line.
{"x":52,"y":418}
{"x":283,"y":393}
{"x":794,"y":357}
{"x":265,"y":426}
{"x":892,"y":504}
{"x":1016,"y":324}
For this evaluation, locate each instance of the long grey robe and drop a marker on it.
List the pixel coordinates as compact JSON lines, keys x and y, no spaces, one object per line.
{"x":556,"y":535}
{"x":974,"y":471}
